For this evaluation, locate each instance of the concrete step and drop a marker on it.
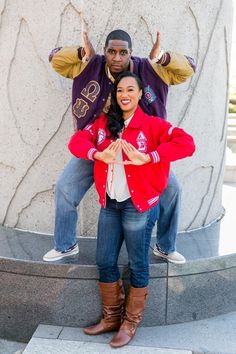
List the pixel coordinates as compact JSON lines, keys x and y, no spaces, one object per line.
{"x":231,"y":143}
{"x":231,"y":138}
{"x":231,"y":122}
{"x":232,"y":116}
{"x":230,"y":174}
{"x":56,"y":346}
{"x":231,"y":130}
{"x":213,"y":335}
{"x":11,"y":347}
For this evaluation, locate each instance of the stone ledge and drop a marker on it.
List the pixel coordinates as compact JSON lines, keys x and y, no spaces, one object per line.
{"x":66,"y":294}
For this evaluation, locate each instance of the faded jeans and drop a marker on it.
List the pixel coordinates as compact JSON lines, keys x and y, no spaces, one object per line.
{"x":119,"y":222}
{"x":75,"y":181}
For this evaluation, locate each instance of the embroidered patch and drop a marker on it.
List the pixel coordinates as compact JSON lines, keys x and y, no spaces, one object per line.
{"x":101,"y":136}
{"x":80,"y":108}
{"x":91,"y":90}
{"x":149,"y":95}
{"x":142,"y":142}
{"x":89,"y":128}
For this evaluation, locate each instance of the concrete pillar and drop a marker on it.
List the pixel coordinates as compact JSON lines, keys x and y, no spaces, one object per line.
{"x":35,"y":109}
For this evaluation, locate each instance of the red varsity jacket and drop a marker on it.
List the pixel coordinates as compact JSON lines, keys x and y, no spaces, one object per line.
{"x":153,"y":135}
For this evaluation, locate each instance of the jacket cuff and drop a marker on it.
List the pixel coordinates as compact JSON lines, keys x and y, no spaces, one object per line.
{"x":154,"y":156}
{"x":163,"y":60}
{"x":80,"y":52}
{"x":54,"y":51}
{"x":91,"y":153}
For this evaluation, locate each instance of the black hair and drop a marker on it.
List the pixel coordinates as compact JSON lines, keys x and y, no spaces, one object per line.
{"x":119,"y":34}
{"x":115,"y":121}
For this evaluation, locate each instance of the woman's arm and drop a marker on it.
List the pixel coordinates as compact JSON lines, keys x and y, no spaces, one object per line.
{"x":175,"y":143}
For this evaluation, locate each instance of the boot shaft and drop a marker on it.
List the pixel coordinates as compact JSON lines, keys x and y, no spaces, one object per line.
{"x":112,"y":294}
{"x":113,"y":297}
{"x":133,"y":314}
{"x":135,"y":304}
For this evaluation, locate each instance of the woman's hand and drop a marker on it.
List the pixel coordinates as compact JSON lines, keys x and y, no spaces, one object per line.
{"x":109,"y":154}
{"x":135,"y":157}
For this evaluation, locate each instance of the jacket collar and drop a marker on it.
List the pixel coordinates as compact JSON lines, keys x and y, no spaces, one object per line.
{"x":137,"y":119}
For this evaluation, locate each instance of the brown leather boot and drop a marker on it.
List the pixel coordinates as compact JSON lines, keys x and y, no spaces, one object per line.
{"x":133,"y":315}
{"x":113,"y":297}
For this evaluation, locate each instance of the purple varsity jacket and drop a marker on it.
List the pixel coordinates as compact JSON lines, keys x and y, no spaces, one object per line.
{"x":92,"y":87}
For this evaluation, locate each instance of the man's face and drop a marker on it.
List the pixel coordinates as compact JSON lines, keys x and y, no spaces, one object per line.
{"x":117,"y":54}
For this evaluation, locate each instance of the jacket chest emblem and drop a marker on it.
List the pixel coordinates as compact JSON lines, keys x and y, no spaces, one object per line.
{"x":149,"y":95}
{"x":101,"y":136}
{"x":142,"y":142}
{"x":90,"y":92}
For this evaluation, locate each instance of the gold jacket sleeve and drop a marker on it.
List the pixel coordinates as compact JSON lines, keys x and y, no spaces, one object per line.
{"x":67,"y":63}
{"x":176,"y":72}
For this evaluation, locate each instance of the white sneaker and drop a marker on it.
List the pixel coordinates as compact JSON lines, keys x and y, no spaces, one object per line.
{"x":173,"y":257}
{"x":54,"y":255}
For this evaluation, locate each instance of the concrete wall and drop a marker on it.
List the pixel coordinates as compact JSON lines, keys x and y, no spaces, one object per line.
{"x":35,"y":109}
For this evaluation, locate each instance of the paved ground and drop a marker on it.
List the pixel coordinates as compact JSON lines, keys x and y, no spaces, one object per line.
{"x":215,"y":336}
{"x":8,"y":347}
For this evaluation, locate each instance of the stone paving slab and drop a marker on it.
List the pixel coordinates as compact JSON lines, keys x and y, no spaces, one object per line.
{"x":11,"y":347}
{"x":57,"y":346}
{"x":214,"y":335}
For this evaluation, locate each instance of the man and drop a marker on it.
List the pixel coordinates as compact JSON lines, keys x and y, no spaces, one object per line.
{"x":93,"y":76}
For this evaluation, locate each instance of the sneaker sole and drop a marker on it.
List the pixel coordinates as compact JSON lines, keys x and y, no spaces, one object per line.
{"x":69,"y":254}
{"x":167,"y":259}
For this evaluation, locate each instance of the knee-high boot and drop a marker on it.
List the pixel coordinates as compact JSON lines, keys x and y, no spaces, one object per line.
{"x":133,"y":315}
{"x":113,"y":297}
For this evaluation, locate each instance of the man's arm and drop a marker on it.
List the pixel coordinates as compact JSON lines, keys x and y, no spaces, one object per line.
{"x":173,"y":68}
{"x":71,"y":61}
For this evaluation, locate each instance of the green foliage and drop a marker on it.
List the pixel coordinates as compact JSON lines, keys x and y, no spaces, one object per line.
{"x":232,"y":103}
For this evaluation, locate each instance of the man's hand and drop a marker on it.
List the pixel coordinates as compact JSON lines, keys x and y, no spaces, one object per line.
{"x":156,"y":47}
{"x":135,"y":157}
{"x":87,"y":45}
{"x":109,"y":154}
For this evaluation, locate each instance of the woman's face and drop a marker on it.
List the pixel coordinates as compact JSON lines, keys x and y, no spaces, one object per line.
{"x":128,"y":94}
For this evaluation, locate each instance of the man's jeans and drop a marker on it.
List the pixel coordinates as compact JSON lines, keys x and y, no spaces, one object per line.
{"x":74,"y":182}
{"x":119,"y":222}
{"x":167,"y":216}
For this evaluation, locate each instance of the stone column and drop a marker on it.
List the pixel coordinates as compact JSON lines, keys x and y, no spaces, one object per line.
{"x":35,"y":104}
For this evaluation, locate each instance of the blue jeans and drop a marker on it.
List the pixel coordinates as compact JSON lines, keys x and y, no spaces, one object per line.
{"x":167,"y":216}
{"x":75,"y":181}
{"x":119,"y":222}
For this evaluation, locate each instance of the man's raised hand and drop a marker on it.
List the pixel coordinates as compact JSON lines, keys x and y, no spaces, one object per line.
{"x":155,"y":51}
{"x":87,"y":45}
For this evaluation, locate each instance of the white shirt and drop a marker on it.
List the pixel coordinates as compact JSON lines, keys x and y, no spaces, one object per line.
{"x":117,"y":187}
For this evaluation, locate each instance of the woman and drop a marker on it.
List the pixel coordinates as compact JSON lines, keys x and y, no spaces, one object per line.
{"x":132,"y":153}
